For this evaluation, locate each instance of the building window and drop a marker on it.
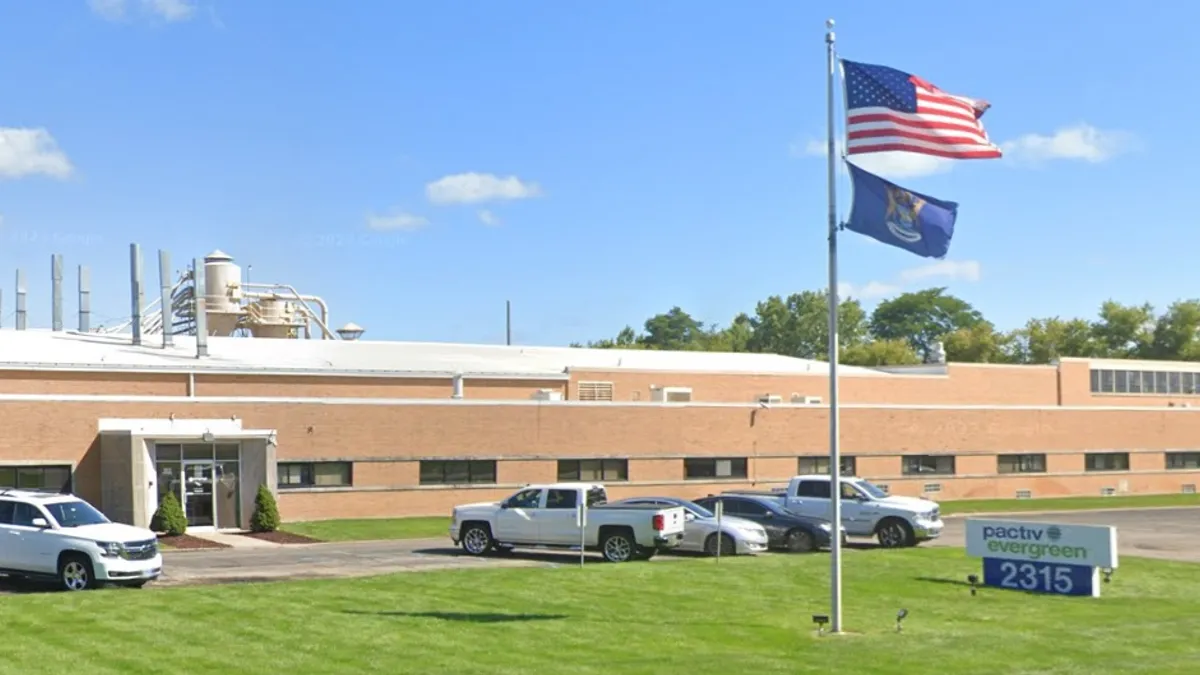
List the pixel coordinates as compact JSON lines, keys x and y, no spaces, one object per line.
{"x":458,"y":471}
{"x":1021,"y":464}
{"x":701,"y":469}
{"x":53,"y":478}
{"x":807,"y":466}
{"x":313,"y":475}
{"x":599,"y":470}
{"x":671,"y":394}
{"x":1107,"y":461}
{"x":1144,"y":382}
{"x":594,"y":391}
{"x":1183,"y":460}
{"x":928,"y":464}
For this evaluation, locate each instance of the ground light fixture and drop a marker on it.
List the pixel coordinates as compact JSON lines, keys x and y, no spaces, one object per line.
{"x":900,"y":618}
{"x":820,"y":620}
{"x":1108,"y":572}
{"x":973,"y":579}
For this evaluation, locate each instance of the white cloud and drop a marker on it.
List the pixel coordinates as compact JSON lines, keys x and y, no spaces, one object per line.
{"x":28,"y":152}
{"x":396,"y":222}
{"x":167,"y":10}
{"x":488,"y":218}
{"x":955,"y":270}
{"x":1080,"y":142}
{"x":472,"y":188}
{"x":869,"y":291}
{"x":893,"y":165}
{"x":952,"y":270}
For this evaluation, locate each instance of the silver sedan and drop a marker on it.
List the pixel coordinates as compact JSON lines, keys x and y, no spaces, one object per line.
{"x":738,"y":535}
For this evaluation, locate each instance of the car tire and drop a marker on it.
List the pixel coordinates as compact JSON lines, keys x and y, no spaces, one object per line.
{"x":799,"y":541}
{"x":894,"y":533}
{"x":618,"y":547}
{"x":477,"y":540}
{"x":75,"y":573}
{"x":728,"y":545}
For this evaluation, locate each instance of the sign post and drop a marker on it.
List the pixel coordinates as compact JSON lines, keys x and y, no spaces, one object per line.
{"x":720,"y":510}
{"x":581,"y":521}
{"x":1043,"y":557}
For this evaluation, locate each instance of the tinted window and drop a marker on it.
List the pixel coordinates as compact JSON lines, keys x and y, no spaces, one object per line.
{"x":75,"y":514}
{"x":746,"y":508}
{"x":6,"y":512}
{"x":813,"y":488}
{"x":525,"y":499}
{"x":23,"y":514}
{"x":561,"y":499}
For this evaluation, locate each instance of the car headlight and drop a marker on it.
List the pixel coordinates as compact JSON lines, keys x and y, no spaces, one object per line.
{"x":110,"y":549}
{"x":826,"y":527}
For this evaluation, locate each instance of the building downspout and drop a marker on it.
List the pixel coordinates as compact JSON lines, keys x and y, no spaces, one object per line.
{"x":191,"y":384}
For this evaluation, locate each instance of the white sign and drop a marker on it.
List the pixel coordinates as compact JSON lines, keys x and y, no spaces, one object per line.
{"x":1087,"y":545}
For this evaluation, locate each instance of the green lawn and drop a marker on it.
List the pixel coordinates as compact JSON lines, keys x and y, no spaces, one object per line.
{"x":965,"y":506}
{"x":692,"y":616}
{"x":371,"y":528}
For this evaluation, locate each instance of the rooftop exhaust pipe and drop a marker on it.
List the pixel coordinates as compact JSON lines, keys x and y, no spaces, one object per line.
{"x":20,"y":320}
{"x":199,"y":308}
{"x":135,"y":283}
{"x":85,"y":300}
{"x":164,"y":283}
{"x":457,"y":392}
{"x":56,"y":279}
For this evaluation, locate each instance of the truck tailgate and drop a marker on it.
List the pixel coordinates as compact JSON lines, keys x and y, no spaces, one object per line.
{"x":673,"y":520}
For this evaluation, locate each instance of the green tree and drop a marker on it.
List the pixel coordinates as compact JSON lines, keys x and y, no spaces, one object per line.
{"x":923,"y":318}
{"x":1124,"y":331}
{"x":733,"y":338}
{"x":799,"y":325}
{"x":980,"y":343}
{"x":266,"y":511}
{"x":880,"y":353}
{"x":1176,"y":333}
{"x":1043,"y":340}
{"x":675,"y":330}
{"x":169,"y":516}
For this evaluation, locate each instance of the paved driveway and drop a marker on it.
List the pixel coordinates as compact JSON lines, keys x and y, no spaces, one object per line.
{"x":1172,"y":534}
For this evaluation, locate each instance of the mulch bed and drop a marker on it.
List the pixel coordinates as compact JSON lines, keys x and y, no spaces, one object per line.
{"x":188,"y":542}
{"x":280,"y":537}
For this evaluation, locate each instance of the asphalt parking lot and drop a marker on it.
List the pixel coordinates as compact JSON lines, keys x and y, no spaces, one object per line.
{"x":1172,"y":534}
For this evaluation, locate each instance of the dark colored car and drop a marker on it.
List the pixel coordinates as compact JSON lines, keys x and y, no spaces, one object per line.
{"x":785,"y":530}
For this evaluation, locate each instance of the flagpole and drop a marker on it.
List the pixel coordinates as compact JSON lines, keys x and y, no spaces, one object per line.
{"x":835,"y":461}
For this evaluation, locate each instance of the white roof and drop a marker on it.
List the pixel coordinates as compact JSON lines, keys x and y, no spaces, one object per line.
{"x":70,"y":350}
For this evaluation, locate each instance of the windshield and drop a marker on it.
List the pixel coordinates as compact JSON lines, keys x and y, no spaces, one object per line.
{"x":872,"y":490}
{"x":75,"y":514}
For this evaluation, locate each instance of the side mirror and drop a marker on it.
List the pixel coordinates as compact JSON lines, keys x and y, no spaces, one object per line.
{"x":40,"y":522}
{"x":504,"y":505}
{"x":770,"y":514}
{"x":688,"y":516}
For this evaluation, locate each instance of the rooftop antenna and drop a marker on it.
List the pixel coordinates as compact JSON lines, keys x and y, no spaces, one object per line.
{"x":164,"y":284}
{"x":20,"y":319}
{"x":85,"y":299}
{"x":508,"y":322}
{"x":56,"y":279}
{"x":199,"y":308}
{"x":135,"y":288}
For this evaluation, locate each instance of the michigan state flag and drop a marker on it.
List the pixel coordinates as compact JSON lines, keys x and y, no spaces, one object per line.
{"x":898,"y":217}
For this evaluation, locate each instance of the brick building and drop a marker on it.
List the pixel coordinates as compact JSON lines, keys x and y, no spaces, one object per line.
{"x":362,"y":428}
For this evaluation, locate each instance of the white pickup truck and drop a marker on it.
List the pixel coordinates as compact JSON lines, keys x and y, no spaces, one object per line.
{"x":867,"y":511}
{"x":547,"y":516}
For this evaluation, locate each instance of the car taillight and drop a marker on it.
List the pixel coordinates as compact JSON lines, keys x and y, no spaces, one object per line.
{"x":658,"y":522}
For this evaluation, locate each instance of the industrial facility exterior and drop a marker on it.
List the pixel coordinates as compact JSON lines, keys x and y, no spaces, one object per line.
{"x":343,"y":428}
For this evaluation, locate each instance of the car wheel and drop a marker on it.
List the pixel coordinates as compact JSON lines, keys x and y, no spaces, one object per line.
{"x":728,"y":546}
{"x":618,"y":547}
{"x":799,"y":541}
{"x":894,"y":533}
{"x":477,"y":540}
{"x":75,"y":573}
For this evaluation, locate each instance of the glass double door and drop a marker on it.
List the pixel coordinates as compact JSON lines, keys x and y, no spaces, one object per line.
{"x":210,"y":494}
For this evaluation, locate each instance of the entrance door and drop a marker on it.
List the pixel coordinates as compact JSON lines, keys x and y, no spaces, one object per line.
{"x":228,"y":499}
{"x":198,"y":493}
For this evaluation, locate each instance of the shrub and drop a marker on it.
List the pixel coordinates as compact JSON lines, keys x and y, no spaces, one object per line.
{"x":169,"y":517}
{"x":266,"y":511}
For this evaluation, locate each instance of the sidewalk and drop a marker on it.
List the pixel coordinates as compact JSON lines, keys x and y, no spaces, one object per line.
{"x":234,"y":540}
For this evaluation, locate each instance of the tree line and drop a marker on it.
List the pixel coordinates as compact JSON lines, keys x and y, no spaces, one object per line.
{"x":905,"y":330}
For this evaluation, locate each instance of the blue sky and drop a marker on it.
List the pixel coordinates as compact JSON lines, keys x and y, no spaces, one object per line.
{"x":417,"y":164}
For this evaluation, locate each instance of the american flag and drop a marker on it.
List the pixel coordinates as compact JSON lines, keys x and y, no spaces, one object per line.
{"x":889,"y":109}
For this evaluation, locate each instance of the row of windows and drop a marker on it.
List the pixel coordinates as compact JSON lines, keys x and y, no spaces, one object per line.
{"x":1144,"y":382}
{"x":483,"y":471}
{"x":53,"y":478}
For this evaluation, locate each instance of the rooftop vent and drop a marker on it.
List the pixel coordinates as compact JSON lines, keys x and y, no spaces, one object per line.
{"x":351,"y":331}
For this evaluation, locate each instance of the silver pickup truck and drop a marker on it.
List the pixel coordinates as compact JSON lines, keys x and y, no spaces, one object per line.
{"x":548,"y":516}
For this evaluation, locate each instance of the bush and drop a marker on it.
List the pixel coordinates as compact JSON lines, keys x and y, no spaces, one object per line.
{"x":266,"y":511}
{"x":169,"y":517}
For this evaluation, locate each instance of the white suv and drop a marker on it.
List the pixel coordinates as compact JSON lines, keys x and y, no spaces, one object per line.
{"x":62,"y":537}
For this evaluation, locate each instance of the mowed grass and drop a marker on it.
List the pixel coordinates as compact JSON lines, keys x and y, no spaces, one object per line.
{"x":370,"y":529}
{"x":694,"y":616}
{"x":968,"y":506}
{"x":436,"y":526}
